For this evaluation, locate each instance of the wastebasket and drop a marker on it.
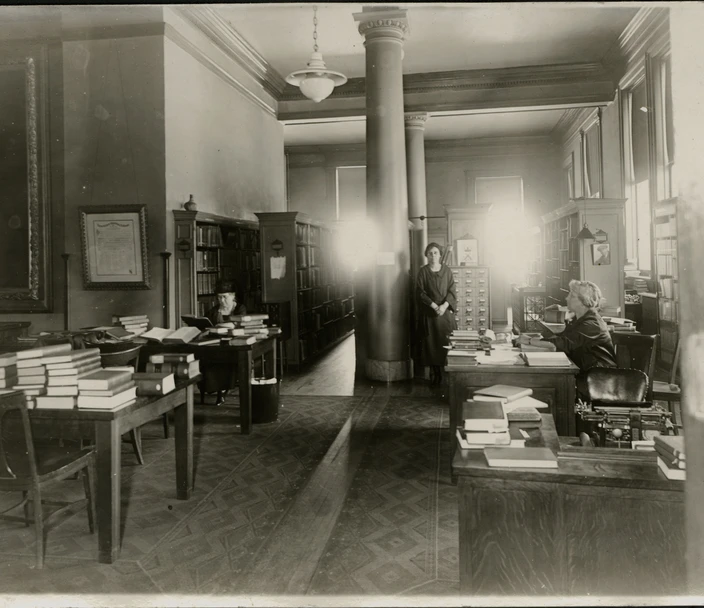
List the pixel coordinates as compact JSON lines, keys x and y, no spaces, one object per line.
{"x":265,"y":400}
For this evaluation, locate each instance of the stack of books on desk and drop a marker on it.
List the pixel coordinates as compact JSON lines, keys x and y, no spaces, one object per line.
{"x":620,"y":324}
{"x":670,"y":456}
{"x":32,"y":369}
{"x":106,"y":389}
{"x":524,"y":458}
{"x":8,"y":370}
{"x":459,"y":359}
{"x":465,"y":339}
{"x":63,"y":374}
{"x":154,"y":383}
{"x":182,"y":365}
{"x":517,"y":401}
{"x":546,"y":359}
{"x":484,"y":423}
{"x":135,"y":324}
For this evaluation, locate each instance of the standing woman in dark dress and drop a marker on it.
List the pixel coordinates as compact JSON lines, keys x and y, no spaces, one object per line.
{"x":438,"y":301}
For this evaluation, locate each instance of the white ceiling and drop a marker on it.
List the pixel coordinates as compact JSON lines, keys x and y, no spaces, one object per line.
{"x":443,"y":37}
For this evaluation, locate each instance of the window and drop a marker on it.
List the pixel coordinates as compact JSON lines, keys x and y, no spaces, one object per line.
{"x":664,"y":131}
{"x":637,"y":172}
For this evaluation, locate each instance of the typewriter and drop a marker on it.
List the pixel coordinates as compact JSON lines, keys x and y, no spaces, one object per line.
{"x":617,"y":426}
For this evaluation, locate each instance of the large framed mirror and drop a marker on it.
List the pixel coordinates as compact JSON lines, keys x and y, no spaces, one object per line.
{"x":24,"y":205}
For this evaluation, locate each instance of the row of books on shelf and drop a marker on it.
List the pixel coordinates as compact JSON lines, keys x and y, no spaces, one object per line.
{"x":308,"y":234}
{"x":496,"y":420}
{"x":241,"y":260}
{"x":324,"y":276}
{"x":309,"y":256}
{"x":242,"y":238}
{"x":207,"y":260}
{"x":312,"y":343}
{"x":669,"y":288}
{"x":669,"y":310}
{"x":208,"y":236}
{"x":205,"y":283}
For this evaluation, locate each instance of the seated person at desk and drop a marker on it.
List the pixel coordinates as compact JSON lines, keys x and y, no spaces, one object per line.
{"x":586,"y":339}
{"x":218,"y":376}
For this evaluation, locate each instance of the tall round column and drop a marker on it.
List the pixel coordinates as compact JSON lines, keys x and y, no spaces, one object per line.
{"x":417,"y":200}
{"x":388,"y":296}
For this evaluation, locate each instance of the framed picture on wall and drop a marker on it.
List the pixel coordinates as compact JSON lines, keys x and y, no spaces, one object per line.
{"x":467,"y":252}
{"x":114,"y":247}
{"x":601,"y":254}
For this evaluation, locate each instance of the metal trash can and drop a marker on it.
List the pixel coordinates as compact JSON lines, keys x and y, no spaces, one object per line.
{"x":265,"y":400}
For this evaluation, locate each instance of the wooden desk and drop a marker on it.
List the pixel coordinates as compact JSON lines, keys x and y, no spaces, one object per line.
{"x":240,"y":357}
{"x":553,"y":385}
{"x":595,"y":525}
{"x":106,"y":429}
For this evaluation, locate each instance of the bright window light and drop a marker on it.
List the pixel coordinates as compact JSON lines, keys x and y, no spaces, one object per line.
{"x":357,"y":243}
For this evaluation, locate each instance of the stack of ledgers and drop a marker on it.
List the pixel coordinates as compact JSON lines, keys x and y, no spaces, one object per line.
{"x":245,"y":329}
{"x":135,"y":324}
{"x":181,"y":365}
{"x":107,"y":389}
{"x":670,"y":456}
{"x":620,"y":324}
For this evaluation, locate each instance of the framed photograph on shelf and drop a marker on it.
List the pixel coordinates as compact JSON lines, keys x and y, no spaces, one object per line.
{"x":601,"y":254}
{"x":114,"y":247}
{"x":467,"y":253}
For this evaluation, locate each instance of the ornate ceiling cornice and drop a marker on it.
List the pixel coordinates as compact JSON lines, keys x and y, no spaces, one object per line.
{"x":463,"y":80}
{"x":221,"y":33}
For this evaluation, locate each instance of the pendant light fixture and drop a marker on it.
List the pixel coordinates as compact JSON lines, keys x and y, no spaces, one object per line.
{"x":316,"y":81}
{"x":585,"y":233}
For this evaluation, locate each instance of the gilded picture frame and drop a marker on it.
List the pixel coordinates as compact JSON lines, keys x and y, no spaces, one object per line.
{"x":114,"y":247}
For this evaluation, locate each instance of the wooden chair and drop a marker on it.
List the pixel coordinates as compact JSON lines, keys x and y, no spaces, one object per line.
{"x":27,"y":468}
{"x":637,"y":351}
{"x":670,"y":391}
{"x":112,"y":355}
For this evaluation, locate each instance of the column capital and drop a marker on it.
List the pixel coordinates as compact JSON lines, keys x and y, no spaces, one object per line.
{"x":380,"y":23}
{"x":415,"y":120}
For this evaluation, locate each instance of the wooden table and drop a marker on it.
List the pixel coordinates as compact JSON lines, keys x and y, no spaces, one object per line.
{"x":553,"y":385}
{"x":106,"y":429}
{"x":605,"y":522}
{"x":240,"y":357}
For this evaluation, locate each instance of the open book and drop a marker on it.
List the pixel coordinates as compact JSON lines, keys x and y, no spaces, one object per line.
{"x":183,"y":335}
{"x":201,"y":323}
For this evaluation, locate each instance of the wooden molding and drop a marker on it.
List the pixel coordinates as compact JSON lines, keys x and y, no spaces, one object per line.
{"x":221,"y":33}
{"x":186,"y":45}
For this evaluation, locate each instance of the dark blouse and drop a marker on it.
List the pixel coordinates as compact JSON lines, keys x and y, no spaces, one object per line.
{"x":436,"y":287}
{"x":587,"y":342}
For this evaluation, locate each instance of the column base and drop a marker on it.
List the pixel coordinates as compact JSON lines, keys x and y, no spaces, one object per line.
{"x":388,"y":371}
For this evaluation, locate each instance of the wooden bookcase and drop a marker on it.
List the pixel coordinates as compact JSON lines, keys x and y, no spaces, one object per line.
{"x":211,"y":247}
{"x":667,"y":275}
{"x":300,"y":266}
{"x":566,"y":257}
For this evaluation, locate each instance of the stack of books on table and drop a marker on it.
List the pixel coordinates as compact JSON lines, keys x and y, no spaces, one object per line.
{"x":520,"y":407}
{"x":465,"y":339}
{"x":32,"y":372}
{"x":106,"y":389}
{"x":524,"y":458}
{"x":249,"y":326}
{"x":8,"y":370}
{"x":181,"y":365}
{"x":135,"y":324}
{"x":620,"y":324}
{"x":483,"y":423}
{"x":63,"y":374}
{"x":670,"y":456}
{"x":154,"y":383}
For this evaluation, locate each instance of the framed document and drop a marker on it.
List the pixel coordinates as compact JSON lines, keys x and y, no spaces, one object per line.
{"x":114,"y":247}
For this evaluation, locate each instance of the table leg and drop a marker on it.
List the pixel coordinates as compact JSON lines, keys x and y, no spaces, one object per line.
{"x":244,"y":371}
{"x":108,"y":446}
{"x":270,"y":363}
{"x":183,"y":437}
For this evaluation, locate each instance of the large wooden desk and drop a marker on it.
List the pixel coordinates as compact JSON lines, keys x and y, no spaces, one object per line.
{"x":240,"y":357}
{"x":596,"y":525}
{"x":553,"y":385}
{"x":106,"y":429}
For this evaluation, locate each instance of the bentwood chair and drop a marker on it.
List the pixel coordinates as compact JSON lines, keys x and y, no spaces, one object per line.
{"x":637,"y":351}
{"x":27,"y":468}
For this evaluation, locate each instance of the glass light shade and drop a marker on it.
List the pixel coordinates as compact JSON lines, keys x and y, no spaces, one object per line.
{"x":316,"y":87}
{"x":585,"y":233}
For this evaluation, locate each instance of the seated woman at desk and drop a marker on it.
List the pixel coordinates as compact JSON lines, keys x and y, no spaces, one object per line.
{"x":219,"y":376}
{"x":437,"y":303}
{"x":586,"y":339}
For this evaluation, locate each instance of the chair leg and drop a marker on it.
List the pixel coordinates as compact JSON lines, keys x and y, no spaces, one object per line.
{"x":26,"y":508}
{"x":38,"y":526}
{"x":166,"y":425}
{"x":89,"y":488}
{"x":136,"y":438}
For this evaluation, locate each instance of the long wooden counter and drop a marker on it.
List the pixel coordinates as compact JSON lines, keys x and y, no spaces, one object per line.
{"x":599,"y":524}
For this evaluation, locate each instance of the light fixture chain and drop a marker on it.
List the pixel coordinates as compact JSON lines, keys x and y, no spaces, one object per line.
{"x":315,"y":29}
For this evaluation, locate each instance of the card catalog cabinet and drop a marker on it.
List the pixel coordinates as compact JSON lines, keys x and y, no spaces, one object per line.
{"x":473,"y":287}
